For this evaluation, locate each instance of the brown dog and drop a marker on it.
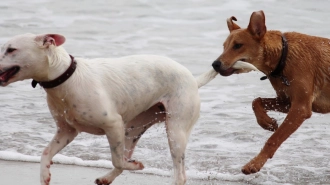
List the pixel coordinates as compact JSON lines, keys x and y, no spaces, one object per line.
{"x":298,"y":67}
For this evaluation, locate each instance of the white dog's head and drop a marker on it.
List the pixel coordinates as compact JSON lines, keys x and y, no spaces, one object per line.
{"x":27,"y":56}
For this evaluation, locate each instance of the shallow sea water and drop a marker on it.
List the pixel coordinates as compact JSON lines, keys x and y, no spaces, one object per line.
{"x":190,"y":32}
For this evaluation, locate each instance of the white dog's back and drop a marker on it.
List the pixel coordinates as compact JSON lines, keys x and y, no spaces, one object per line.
{"x":141,"y":80}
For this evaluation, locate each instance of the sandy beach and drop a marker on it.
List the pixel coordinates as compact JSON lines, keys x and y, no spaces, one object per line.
{"x":28,"y":173}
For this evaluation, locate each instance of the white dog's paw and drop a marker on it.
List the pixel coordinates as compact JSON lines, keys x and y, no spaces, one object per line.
{"x":135,"y":165}
{"x":103,"y":181}
{"x":45,"y":176}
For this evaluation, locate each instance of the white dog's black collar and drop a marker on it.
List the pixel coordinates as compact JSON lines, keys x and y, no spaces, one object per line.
{"x":59,"y":80}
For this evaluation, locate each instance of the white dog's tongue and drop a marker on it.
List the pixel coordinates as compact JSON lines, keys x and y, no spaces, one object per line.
{"x":244,"y":65}
{"x":2,"y":77}
{"x":5,"y":76}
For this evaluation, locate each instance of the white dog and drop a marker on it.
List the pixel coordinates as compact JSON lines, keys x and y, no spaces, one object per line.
{"x":120,"y":97}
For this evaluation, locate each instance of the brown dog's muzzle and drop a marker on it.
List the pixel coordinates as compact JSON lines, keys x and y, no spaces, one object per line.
{"x":217,"y":66}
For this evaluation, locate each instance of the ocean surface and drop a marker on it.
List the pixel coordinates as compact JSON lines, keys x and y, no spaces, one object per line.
{"x":191,"y":32}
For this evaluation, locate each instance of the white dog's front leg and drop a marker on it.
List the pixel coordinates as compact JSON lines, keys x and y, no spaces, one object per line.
{"x":64,"y":135}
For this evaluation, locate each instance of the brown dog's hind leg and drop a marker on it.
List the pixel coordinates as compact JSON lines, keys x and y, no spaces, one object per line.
{"x":262,"y":105}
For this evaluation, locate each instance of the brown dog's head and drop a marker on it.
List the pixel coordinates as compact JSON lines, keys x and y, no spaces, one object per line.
{"x":242,"y":47}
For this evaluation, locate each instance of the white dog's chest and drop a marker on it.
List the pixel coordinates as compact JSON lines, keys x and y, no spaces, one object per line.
{"x":84,"y":122}
{"x":84,"y":125}
{"x":82,"y":119}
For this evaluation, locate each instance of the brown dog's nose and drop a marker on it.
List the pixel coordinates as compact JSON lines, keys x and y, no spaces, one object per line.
{"x":216,"y":65}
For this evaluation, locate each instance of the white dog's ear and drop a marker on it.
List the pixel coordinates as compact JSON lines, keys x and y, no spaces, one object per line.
{"x":50,"y":39}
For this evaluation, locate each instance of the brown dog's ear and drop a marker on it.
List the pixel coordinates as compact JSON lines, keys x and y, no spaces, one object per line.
{"x":257,"y":25}
{"x":231,"y":25}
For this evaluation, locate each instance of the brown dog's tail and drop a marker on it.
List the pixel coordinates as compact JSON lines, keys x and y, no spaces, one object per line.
{"x":206,"y":77}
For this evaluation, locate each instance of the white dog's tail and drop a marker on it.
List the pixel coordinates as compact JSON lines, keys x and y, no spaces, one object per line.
{"x":206,"y":77}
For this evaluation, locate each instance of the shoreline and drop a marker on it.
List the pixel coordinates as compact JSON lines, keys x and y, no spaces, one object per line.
{"x":28,"y":173}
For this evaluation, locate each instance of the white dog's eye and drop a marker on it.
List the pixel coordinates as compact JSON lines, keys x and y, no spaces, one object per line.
{"x":10,"y":50}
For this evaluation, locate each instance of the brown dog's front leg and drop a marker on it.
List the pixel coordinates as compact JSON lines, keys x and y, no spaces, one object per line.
{"x":262,"y":105}
{"x":294,"y":119}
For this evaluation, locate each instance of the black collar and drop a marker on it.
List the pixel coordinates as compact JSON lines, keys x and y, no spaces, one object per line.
{"x":59,"y":80}
{"x":278,"y":72}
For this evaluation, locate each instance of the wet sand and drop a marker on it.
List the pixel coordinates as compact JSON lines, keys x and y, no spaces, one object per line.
{"x":28,"y":173}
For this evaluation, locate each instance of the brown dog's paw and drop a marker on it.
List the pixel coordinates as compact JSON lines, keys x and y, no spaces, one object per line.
{"x":254,"y":165}
{"x":248,"y":169}
{"x":268,"y":123}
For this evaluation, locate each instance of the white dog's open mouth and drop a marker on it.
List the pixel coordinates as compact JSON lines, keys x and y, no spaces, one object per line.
{"x":8,"y":73}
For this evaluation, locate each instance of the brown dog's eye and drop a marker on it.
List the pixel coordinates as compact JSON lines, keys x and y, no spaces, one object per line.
{"x":237,"y":46}
{"x":10,"y":50}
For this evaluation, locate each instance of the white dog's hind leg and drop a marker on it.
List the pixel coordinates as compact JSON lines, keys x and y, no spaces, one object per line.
{"x":177,"y":139}
{"x":183,"y":114}
{"x":133,"y":132}
{"x":116,"y":137}
{"x":64,"y":135}
{"x":140,"y":124}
